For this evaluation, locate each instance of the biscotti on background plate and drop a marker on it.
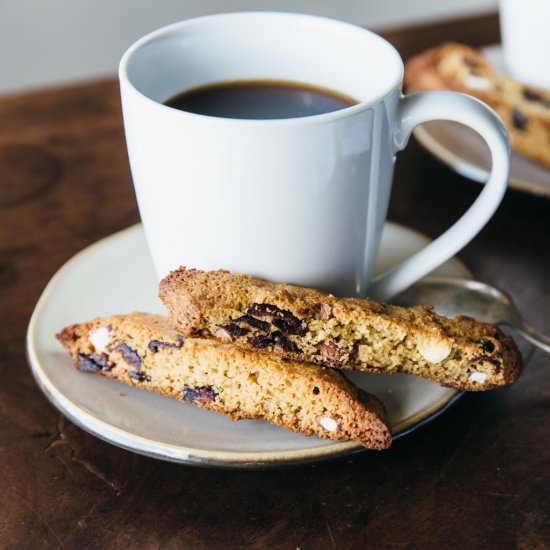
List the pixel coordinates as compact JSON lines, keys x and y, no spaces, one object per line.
{"x":524,"y":109}
{"x":143,"y":350}
{"x":346,"y":333}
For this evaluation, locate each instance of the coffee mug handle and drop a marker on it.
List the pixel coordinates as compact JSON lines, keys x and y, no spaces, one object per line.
{"x":415,"y":109}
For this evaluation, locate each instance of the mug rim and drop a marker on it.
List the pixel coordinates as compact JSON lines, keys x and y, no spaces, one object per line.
{"x":362,"y":105}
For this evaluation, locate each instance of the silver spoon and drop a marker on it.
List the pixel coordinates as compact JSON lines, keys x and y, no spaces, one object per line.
{"x":452,"y":296}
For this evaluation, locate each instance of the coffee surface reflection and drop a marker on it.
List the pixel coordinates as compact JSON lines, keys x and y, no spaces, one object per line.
{"x":260,"y":100}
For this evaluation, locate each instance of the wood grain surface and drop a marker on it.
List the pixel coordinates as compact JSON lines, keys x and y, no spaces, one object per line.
{"x":477,"y":477}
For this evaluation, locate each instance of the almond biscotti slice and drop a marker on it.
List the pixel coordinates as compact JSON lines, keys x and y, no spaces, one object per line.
{"x":348,"y":333}
{"x":142,"y":350}
{"x":525,"y":110}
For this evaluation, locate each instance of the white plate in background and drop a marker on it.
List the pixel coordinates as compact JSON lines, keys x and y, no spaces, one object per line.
{"x":463,"y":150}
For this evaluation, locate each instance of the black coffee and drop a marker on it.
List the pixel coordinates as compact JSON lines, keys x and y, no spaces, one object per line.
{"x":260,"y":99}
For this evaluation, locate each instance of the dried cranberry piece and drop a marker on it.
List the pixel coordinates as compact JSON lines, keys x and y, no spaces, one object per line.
{"x":156,"y":345}
{"x":85,"y":364}
{"x":261,"y":342}
{"x":487,"y":345}
{"x":280,"y":339}
{"x":235,"y":330}
{"x":93,"y":362}
{"x":139,"y":376}
{"x":203,"y":394}
{"x":101,"y":359}
{"x":291,"y":323}
{"x":519,"y":120}
{"x":130,"y":355}
{"x":299,"y":328}
{"x":531,"y":95}
{"x":253,"y":322}
{"x":285,"y":326}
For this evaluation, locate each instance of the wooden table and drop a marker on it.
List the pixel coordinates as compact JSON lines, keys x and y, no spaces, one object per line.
{"x":478,"y":476}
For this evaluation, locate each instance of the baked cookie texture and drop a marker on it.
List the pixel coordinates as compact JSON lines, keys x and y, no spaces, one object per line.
{"x":143,"y":350}
{"x":524,"y":109}
{"x":346,"y":333}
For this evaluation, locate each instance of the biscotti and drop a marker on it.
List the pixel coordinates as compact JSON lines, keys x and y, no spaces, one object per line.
{"x":350,"y":333}
{"x":142,"y":350}
{"x":525,"y":110}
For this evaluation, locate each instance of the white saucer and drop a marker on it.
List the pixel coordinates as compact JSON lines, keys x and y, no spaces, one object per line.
{"x":115,"y":275}
{"x":462,"y":150}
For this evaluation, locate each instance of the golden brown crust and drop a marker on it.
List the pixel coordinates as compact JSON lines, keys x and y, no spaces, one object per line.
{"x":143,"y":350}
{"x":348,"y":333}
{"x":525,"y":110}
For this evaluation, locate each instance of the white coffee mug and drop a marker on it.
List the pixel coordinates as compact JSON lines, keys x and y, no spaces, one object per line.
{"x":299,"y":200}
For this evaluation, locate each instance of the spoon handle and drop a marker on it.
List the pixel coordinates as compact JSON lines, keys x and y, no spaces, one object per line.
{"x":533,"y":335}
